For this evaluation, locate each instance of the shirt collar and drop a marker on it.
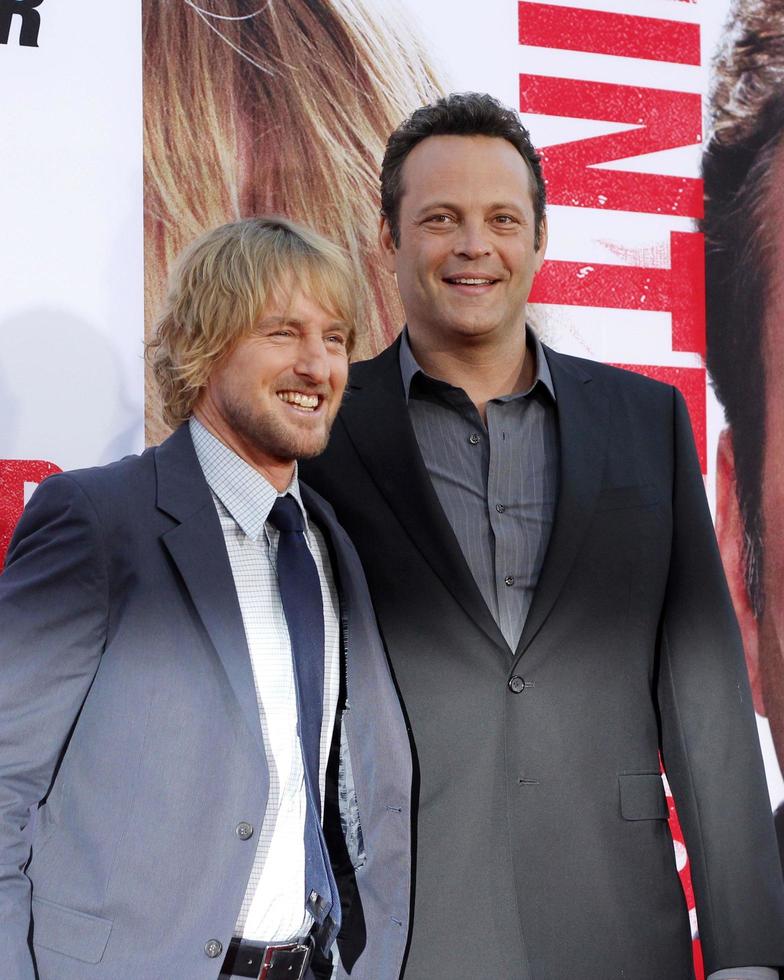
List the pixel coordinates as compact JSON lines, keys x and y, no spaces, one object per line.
{"x":242,"y":490}
{"x":409,"y":366}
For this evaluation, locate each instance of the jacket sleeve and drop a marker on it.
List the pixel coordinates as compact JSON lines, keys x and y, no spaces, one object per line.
{"x":709,"y":739}
{"x":53,"y":621}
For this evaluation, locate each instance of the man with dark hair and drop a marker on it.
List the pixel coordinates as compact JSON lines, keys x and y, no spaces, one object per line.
{"x":458,"y":115}
{"x":191,"y":678}
{"x":743,"y":167}
{"x":544,"y":570}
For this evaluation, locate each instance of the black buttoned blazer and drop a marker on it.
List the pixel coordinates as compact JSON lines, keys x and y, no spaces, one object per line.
{"x":542,"y":845}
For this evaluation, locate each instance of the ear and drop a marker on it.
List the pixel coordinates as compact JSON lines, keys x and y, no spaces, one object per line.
{"x":387,"y":244}
{"x":542,"y":244}
{"x":731,"y":535}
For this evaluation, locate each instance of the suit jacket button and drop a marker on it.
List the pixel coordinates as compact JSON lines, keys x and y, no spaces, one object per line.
{"x":213,"y":948}
{"x":516,"y":684}
{"x":244,"y":831}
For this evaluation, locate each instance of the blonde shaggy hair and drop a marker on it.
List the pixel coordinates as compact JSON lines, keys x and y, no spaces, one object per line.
{"x":221,"y":287}
{"x":275,"y":108}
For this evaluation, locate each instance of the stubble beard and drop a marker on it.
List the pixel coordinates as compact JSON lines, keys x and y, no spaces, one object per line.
{"x":269,"y":435}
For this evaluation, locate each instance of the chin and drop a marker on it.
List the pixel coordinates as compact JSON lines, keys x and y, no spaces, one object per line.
{"x":309,"y":447}
{"x":474,"y":329}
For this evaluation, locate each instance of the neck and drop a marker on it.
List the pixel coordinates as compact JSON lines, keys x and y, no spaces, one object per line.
{"x":483,"y":370}
{"x":278,"y":473}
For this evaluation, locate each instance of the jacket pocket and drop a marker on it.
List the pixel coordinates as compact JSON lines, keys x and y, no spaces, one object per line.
{"x":642,"y":796}
{"x":70,"y":932}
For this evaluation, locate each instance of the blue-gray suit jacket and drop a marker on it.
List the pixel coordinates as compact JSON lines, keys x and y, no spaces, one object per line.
{"x":127,"y":710}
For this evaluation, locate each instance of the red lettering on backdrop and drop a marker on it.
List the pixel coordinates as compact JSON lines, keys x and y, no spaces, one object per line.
{"x":679,"y":290}
{"x":548,"y":25}
{"x":574,"y":175}
{"x":662,"y":120}
{"x":14,"y":473}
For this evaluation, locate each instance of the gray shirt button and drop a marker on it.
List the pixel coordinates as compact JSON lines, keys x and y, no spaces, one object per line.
{"x":473,"y":438}
{"x":516,"y":684}
{"x":244,"y":831}
{"x":500,"y":508}
{"x":213,"y":948}
{"x":509,"y":580}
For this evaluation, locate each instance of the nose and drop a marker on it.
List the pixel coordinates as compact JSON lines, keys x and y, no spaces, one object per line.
{"x":473,"y":241}
{"x":312,"y":360}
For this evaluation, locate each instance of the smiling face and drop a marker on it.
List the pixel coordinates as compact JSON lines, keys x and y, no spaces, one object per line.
{"x":466,"y":259}
{"x":274,"y":396}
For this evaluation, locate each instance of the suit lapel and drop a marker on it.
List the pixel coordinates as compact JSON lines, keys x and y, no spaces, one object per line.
{"x":376,"y":419}
{"x":198,"y":549}
{"x":322,"y":515}
{"x":582,"y":428}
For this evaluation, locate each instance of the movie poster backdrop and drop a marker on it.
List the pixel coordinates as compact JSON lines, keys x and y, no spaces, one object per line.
{"x":132,"y":127}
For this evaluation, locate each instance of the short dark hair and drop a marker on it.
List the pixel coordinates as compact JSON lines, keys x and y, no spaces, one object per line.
{"x":747,"y":117}
{"x":458,"y":114}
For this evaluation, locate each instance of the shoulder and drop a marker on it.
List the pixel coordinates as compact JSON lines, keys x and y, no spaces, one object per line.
{"x":75,"y":511}
{"x":364,"y":372}
{"x":101,"y":485}
{"x":114,"y":501}
{"x":608,"y":374}
{"x":618,"y":383}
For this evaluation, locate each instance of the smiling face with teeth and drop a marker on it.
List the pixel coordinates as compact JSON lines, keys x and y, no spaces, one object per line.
{"x":465,"y":259}
{"x":274,"y":396}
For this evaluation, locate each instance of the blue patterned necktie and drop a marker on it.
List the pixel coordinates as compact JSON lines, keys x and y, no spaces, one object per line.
{"x":300,"y":593}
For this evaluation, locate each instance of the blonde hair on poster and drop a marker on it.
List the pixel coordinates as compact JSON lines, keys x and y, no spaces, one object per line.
{"x":284,"y":109}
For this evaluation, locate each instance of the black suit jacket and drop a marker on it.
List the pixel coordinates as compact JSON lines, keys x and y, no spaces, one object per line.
{"x":542,"y":845}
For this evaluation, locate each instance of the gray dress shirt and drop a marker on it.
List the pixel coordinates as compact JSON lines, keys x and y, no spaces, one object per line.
{"x":498,"y":486}
{"x":497,"y":483}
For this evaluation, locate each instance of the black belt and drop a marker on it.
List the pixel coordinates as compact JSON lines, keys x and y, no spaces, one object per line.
{"x":268,"y":961}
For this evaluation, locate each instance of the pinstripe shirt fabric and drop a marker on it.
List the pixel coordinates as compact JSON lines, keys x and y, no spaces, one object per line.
{"x":274,"y":906}
{"x":497,"y":483}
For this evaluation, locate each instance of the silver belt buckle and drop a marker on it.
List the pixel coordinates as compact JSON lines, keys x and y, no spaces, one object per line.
{"x":288,"y":961}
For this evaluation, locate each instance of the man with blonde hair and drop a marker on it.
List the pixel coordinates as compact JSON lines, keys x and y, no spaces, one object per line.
{"x":192,"y":688}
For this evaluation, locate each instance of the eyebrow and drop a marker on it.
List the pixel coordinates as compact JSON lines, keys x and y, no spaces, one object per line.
{"x":290,"y":321}
{"x":276,"y":321}
{"x":447,"y":206}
